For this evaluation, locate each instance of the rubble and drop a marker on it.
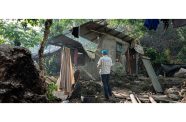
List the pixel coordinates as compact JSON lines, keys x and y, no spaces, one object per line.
{"x":173,"y":93}
{"x":20,"y":81}
{"x":142,"y":90}
{"x":85,"y":89}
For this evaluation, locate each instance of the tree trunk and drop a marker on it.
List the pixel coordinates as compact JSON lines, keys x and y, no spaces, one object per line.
{"x":48,"y":24}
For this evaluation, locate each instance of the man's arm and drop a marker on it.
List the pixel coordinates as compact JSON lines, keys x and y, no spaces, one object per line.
{"x":111,"y":64}
{"x":99,"y":63}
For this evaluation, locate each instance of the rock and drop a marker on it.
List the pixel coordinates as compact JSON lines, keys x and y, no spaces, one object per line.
{"x":19,"y":79}
{"x":183,"y":100}
{"x":174,"y":96}
{"x":173,"y":93}
{"x":181,"y":73}
{"x":183,"y":92}
{"x":173,"y":90}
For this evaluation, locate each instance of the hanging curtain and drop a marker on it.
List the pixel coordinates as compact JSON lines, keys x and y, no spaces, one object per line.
{"x":66,"y":78}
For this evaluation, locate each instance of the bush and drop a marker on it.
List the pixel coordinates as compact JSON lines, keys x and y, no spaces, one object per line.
{"x":50,"y":89}
{"x":157,"y":57}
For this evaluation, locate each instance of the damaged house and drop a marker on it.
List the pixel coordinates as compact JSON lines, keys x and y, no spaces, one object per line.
{"x":86,"y":42}
{"x":94,"y":37}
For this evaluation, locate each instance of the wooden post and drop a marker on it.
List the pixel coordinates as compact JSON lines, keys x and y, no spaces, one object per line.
{"x":137,"y":58}
{"x":129,"y":62}
{"x":152,"y":74}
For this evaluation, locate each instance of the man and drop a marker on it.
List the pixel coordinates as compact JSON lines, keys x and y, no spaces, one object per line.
{"x":105,"y":63}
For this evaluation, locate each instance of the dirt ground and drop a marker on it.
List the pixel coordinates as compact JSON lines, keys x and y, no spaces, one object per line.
{"x":142,"y":89}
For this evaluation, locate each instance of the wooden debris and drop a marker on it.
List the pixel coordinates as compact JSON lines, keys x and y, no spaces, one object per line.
{"x":133,"y":99}
{"x":152,"y":75}
{"x":144,"y":100}
{"x":137,"y":99}
{"x":163,"y":98}
{"x":152,"y":100}
{"x":50,"y":79}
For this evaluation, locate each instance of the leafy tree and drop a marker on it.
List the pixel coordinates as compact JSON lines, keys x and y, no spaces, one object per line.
{"x":132,"y":27}
{"x":59,"y":25}
{"x":11,"y":30}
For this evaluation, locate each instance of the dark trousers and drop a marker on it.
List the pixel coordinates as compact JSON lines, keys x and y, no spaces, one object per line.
{"x":106,"y":86}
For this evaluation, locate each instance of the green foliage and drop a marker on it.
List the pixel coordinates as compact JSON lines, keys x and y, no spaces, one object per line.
{"x":158,"y":57}
{"x":14,"y":30}
{"x":132,"y":27}
{"x":50,"y":89}
{"x":182,"y":55}
{"x":51,"y":64}
{"x":2,"y":40}
{"x":32,"y":22}
{"x":167,"y":55}
{"x":59,"y":25}
{"x":151,"y":53}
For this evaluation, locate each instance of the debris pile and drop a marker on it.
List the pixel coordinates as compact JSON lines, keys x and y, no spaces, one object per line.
{"x":20,"y":81}
{"x":85,"y":88}
{"x":173,"y":93}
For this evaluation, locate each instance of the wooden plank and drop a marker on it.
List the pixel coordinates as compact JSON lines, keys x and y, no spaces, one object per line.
{"x":145,"y":100}
{"x":137,"y":99}
{"x":152,"y":74}
{"x":152,"y":100}
{"x":163,"y":98}
{"x":133,"y":99}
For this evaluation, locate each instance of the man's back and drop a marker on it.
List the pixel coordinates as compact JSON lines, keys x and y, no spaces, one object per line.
{"x":105,"y":64}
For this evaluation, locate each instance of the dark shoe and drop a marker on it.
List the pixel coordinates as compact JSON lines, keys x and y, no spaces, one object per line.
{"x":106,"y":99}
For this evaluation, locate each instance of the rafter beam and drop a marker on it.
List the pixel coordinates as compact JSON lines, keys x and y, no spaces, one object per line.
{"x":124,"y":37}
{"x":117,"y":34}
{"x":93,"y":29}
